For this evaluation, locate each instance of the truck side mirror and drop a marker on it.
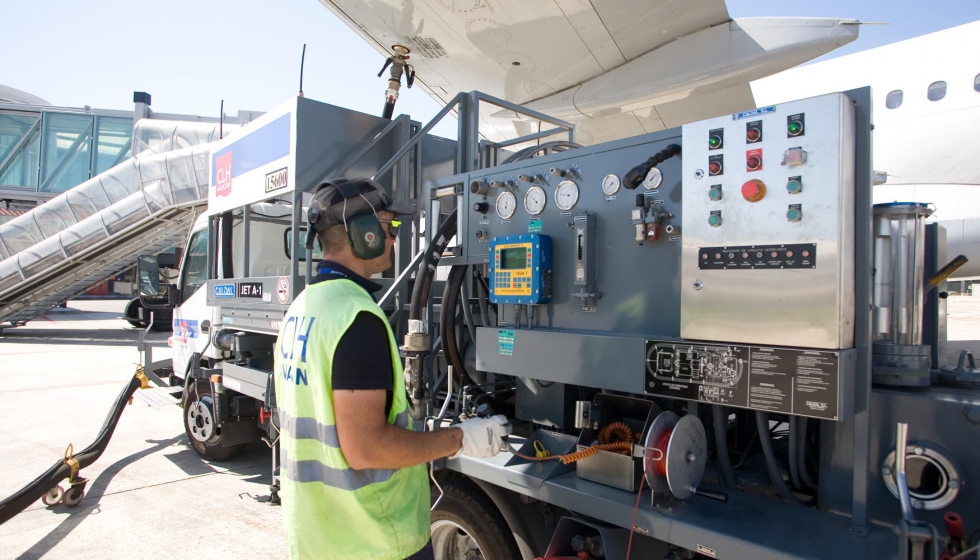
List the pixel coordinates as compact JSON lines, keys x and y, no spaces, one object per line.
{"x":148,"y":283}
{"x":148,"y":275}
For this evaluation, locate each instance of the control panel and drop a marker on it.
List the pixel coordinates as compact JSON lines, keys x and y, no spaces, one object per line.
{"x":520,"y":269}
{"x":767,"y":212}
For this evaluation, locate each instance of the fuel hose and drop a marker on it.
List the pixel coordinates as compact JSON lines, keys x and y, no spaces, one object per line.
{"x":23,"y":498}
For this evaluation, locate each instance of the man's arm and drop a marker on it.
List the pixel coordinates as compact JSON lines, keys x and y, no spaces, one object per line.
{"x":369,"y":442}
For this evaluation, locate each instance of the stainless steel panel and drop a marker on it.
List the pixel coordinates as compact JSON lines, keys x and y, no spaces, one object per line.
{"x":247,"y":381}
{"x":805,"y":307}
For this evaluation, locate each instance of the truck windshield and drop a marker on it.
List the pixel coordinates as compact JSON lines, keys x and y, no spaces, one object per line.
{"x":195,"y":272}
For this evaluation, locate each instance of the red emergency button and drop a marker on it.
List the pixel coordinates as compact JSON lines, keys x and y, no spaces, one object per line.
{"x":753,"y":190}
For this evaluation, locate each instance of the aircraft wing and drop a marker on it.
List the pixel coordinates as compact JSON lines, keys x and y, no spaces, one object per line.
{"x":699,"y":105}
{"x":521,"y":50}
{"x":614,"y":67}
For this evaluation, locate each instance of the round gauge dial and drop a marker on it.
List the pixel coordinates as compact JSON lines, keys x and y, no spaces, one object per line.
{"x":653,"y":179}
{"x":506,"y":205}
{"x":535,"y":200}
{"x":611,"y":184}
{"x":566,"y":195}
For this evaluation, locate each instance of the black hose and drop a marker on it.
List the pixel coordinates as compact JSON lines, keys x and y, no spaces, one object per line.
{"x":794,"y":470}
{"x":427,"y":268}
{"x":720,"y":422}
{"x":23,"y":498}
{"x":447,"y":322}
{"x":801,"y":450}
{"x":765,"y":438}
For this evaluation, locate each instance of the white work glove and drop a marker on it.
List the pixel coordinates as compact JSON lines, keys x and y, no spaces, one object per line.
{"x":483,"y":437}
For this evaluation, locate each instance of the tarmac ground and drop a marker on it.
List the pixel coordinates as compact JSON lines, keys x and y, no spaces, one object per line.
{"x":149,"y":495}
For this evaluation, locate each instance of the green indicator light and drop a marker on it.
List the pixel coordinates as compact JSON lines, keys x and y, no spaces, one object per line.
{"x":795,"y":128}
{"x":714,"y":142}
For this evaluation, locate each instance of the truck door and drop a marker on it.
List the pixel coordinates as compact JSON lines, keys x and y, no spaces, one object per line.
{"x":192,"y":317}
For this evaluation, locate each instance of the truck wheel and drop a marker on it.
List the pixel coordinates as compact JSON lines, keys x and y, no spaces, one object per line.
{"x":133,"y":314}
{"x":467,"y":526}
{"x":201,"y":426}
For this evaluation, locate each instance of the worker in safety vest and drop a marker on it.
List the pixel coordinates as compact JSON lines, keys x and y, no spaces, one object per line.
{"x":353,"y":475}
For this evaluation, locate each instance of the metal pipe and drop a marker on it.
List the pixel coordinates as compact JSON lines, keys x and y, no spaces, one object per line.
{"x":418,"y":137}
{"x":901,"y":436}
{"x":531,"y":137}
{"x":523,"y":110}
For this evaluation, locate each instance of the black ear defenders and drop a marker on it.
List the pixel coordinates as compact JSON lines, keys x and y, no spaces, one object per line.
{"x":364,"y":232}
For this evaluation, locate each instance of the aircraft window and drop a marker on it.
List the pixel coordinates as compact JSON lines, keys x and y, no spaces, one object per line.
{"x":937,"y":91}
{"x":976,"y":83}
{"x":894,"y":99}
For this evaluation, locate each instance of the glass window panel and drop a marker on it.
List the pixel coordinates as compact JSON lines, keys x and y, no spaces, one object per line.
{"x":113,"y":142}
{"x":13,"y":127}
{"x":195,"y":273}
{"x":66,"y":151}
{"x":894,"y":99}
{"x":21,"y":171}
{"x":937,"y":91}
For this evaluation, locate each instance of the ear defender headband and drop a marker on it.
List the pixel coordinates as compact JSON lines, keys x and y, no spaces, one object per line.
{"x":364,"y":232}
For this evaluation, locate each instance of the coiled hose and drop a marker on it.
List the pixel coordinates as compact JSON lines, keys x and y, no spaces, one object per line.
{"x":29,"y":494}
{"x":427,"y":268}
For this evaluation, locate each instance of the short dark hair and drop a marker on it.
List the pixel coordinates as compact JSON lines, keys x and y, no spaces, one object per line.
{"x":333,"y":239}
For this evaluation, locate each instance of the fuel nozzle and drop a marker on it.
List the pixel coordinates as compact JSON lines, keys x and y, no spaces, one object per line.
{"x":634,"y":177}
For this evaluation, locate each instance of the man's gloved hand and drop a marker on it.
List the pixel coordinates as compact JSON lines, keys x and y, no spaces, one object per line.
{"x":483,"y":437}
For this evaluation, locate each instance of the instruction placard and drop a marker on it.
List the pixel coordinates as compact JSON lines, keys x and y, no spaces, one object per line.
{"x":786,"y":380}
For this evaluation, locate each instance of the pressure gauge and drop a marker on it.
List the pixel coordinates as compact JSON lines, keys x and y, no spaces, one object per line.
{"x":653,"y":179}
{"x":566,"y":195}
{"x":506,"y":205}
{"x":535,"y":200}
{"x":611,"y":184}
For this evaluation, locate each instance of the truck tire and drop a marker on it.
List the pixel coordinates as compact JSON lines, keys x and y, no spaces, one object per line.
{"x":199,"y":425}
{"x":133,"y":314}
{"x":467,"y":526}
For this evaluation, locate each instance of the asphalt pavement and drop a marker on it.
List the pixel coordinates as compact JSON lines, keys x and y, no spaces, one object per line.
{"x":149,"y":495}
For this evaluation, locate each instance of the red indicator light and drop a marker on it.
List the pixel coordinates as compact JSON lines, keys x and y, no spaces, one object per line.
{"x":753,"y":160}
{"x":775,"y":254}
{"x":714,"y":167}
{"x":806,"y":253}
{"x":753,"y":134}
{"x":789,"y":253}
{"x":717,"y":255}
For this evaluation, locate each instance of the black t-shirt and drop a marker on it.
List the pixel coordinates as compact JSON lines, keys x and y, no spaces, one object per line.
{"x":362,"y":359}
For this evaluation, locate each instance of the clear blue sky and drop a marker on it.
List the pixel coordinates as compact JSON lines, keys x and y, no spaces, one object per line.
{"x":190,"y":54}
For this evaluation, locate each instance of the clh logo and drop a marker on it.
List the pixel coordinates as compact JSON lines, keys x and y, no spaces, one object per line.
{"x":222,"y":182}
{"x":371,"y":239}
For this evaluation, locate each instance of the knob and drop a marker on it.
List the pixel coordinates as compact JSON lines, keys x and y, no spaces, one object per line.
{"x":481,"y":234}
{"x":794,"y":185}
{"x":715,"y":192}
{"x":714,"y":220}
{"x":754,"y":190}
{"x":481,"y":207}
{"x":794,"y":214}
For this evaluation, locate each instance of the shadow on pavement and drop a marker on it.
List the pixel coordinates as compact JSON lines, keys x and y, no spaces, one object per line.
{"x":97,"y":487}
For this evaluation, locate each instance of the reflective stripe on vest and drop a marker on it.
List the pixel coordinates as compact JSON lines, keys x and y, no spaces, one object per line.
{"x":311,"y":428}
{"x":312,"y":470}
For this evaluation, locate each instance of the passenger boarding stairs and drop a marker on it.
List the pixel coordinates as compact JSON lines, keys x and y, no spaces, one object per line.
{"x":97,"y":229}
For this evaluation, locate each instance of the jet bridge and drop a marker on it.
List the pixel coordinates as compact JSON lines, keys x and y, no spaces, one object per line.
{"x":97,"y":229}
